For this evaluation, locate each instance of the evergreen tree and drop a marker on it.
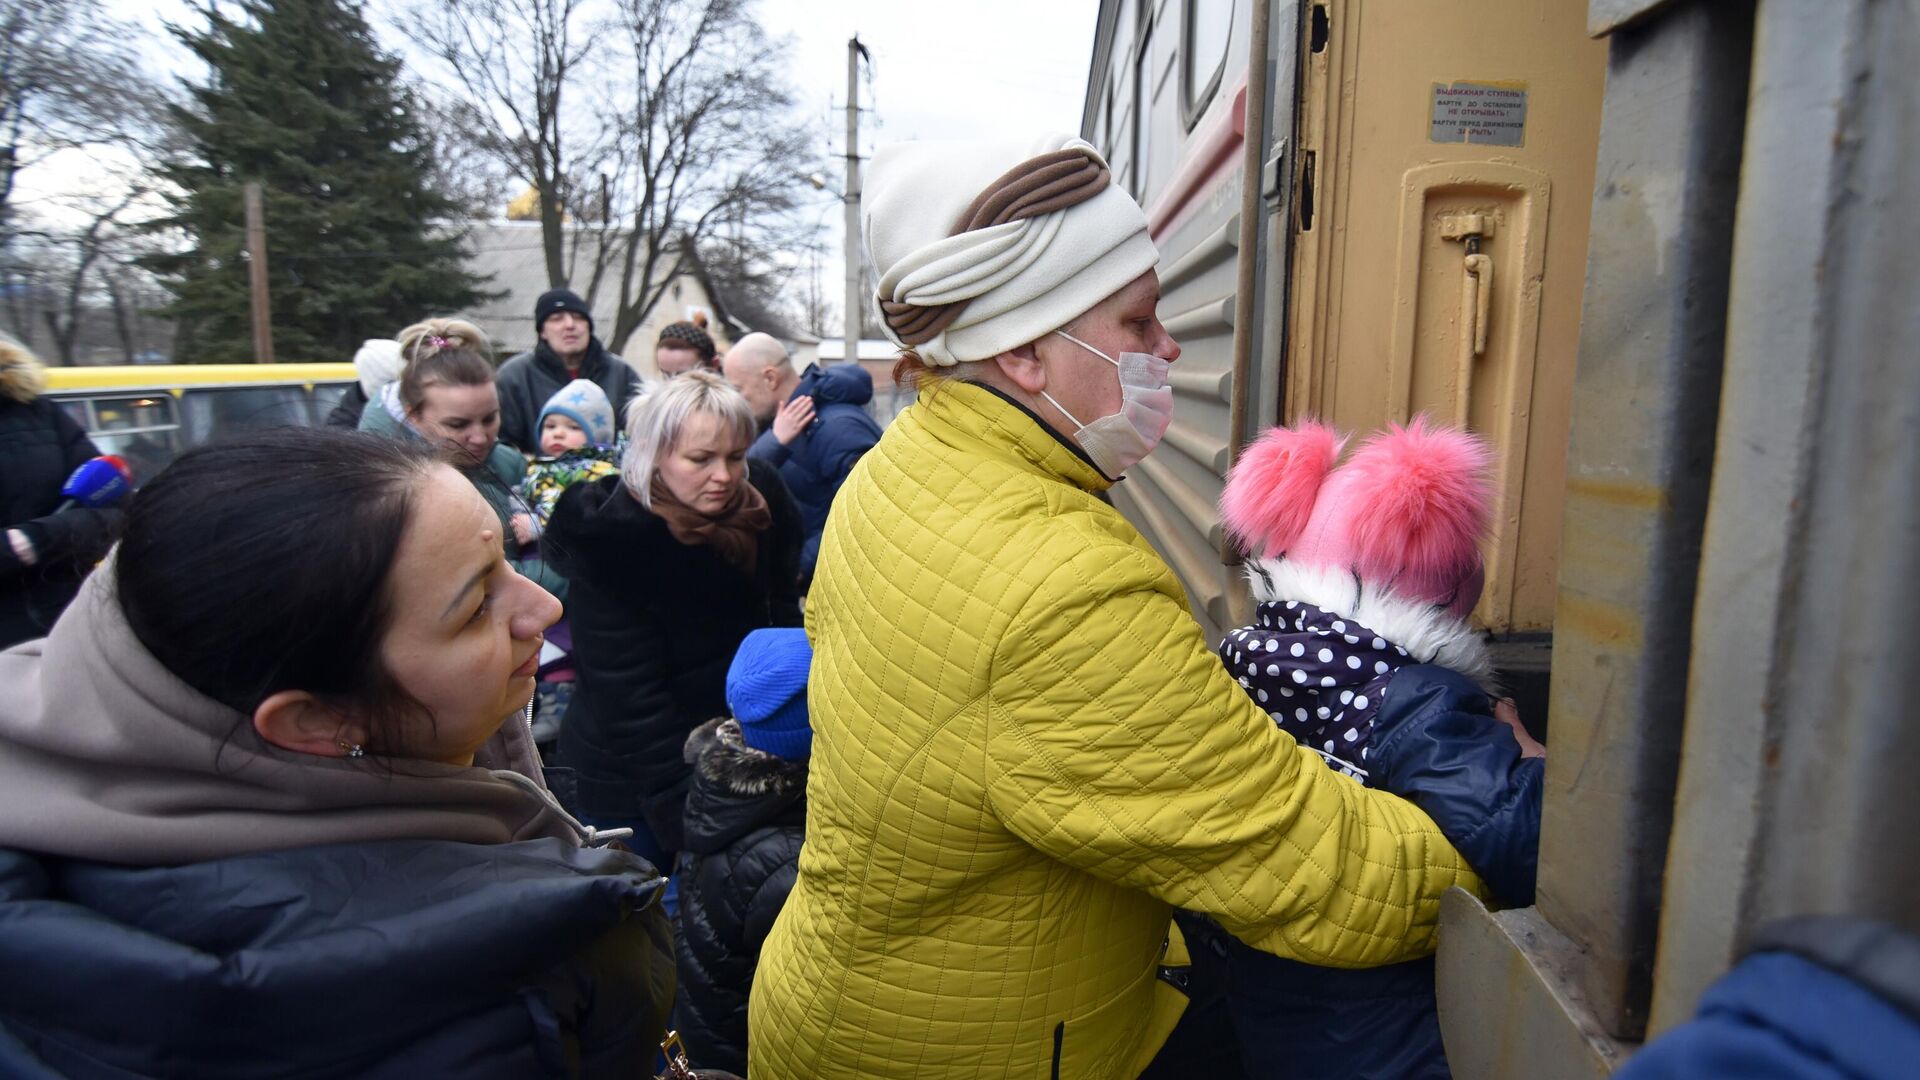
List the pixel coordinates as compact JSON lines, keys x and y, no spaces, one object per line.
{"x":359,"y":243}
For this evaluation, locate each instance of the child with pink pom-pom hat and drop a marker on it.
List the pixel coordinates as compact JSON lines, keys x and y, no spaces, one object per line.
{"x":1366,"y":571}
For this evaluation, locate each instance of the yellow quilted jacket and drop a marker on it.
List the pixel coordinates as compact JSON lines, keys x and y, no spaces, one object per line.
{"x":1024,"y":755}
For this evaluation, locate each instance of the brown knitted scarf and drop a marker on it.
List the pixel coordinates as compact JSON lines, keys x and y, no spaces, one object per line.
{"x":734,"y":531}
{"x":1036,"y":186}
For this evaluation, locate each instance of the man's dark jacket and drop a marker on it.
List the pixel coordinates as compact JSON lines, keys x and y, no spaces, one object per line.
{"x":818,"y":460}
{"x":528,"y":380}
{"x":345,"y":413}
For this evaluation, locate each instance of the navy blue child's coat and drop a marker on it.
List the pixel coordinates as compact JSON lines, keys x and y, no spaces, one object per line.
{"x":1393,"y":695}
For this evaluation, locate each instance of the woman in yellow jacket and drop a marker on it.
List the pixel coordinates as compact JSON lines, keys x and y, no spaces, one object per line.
{"x":1025,"y":753}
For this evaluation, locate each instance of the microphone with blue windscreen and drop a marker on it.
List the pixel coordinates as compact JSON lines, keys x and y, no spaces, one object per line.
{"x":103,"y":481}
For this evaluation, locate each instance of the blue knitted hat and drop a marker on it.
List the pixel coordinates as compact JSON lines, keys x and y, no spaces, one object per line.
{"x":767,"y":691}
{"x":583,"y":402}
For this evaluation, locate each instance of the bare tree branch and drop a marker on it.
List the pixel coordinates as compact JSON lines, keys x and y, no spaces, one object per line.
{"x":713,"y":144}
{"x":513,"y":62}
{"x":648,"y":134}
{"x":70,"y":78}
{"x":67,"y":276}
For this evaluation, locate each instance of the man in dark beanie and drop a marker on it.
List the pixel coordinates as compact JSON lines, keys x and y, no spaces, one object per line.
{"x":684,"y":347}
{"x":567,"y":351}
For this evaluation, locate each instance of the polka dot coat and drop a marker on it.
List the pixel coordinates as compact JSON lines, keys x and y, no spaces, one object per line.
{"x":1318,"y":674}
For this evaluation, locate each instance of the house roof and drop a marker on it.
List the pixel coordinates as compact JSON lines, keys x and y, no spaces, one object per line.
{"x":512,"y":256}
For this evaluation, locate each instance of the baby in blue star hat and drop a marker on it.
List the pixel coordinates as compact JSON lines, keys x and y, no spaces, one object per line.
{"x":576,"y":444}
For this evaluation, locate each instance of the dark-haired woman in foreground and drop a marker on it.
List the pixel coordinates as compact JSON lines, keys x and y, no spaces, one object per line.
{"x":267,"y":804}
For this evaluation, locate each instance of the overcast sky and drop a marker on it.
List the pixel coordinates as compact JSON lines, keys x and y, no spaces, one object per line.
{"x":941,"y":69}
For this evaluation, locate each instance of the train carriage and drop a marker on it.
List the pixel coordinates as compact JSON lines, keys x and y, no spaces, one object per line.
{"x":1418,"y":234}
{"x":1661,"y":253}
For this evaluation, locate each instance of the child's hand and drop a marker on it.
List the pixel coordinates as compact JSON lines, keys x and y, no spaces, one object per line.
{"x":1507,"y":713}
{"x":523,"y":529}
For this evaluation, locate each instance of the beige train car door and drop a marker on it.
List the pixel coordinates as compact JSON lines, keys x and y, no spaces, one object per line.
{"x":1444,"y":178}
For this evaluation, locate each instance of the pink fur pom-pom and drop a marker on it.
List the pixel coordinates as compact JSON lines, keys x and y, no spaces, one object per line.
{"x":1420,"y":501}
{"x":1270,"y":492}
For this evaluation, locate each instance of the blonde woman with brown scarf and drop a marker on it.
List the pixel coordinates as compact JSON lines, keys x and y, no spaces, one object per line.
{"x":671,"y":564}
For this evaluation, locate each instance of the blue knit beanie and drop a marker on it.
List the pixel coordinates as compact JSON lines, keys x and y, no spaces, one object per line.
{"x":767,"y":691}
{"x":583,"y":402}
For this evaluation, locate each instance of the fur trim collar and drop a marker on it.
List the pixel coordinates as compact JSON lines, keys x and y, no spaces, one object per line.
{"x":722,"y":757}
{"x":22,"y":377}
{"x":1429,"y":634}
{"x":390,"y":400}
{"x":601,"y":535}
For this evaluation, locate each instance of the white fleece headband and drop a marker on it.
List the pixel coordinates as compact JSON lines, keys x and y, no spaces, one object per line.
{"x":985,"y":246}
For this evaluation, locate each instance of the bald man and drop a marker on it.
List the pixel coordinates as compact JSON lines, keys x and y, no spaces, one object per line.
{"x":813,"y":426}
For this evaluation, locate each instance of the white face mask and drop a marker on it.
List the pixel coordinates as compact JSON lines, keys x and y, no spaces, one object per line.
{"x":1118,"y":442}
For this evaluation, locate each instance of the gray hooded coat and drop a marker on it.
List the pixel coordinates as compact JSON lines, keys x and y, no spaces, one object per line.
{"x":180,"y":898}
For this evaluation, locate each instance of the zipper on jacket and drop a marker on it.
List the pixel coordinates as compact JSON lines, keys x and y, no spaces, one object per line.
{"x":1059,"y":1036}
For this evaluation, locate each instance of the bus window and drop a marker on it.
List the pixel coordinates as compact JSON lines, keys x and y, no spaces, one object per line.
{"x":149,"y":414}
{"x":77,"y":409}
{"x":143,"y":430}
{"x":325,"y":397}
{"x":133,"y":413}
{"x":211,"y":413}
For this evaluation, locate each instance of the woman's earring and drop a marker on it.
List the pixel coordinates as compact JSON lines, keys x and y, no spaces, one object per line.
{"x":354,"y":750}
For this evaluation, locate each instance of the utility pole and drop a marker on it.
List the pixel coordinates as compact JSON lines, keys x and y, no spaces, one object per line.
{"x":856,"y":302}
{"x":257,"y":274}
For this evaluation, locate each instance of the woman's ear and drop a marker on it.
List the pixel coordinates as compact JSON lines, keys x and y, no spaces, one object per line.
{"x":1022,"y":365}
{"x":296,"y":720}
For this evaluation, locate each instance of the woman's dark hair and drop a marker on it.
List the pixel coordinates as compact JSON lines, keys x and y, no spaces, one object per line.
{"x":260,"y":564}
{"x":685,"y":335}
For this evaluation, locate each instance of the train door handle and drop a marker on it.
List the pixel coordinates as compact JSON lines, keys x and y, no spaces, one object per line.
{"x":1476,"y":300}
{"x":1476,"y":308}
{"x":1471,"y":228}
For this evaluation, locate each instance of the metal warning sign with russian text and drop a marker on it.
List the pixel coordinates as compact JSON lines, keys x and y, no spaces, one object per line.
{"x":1483,"y":113}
